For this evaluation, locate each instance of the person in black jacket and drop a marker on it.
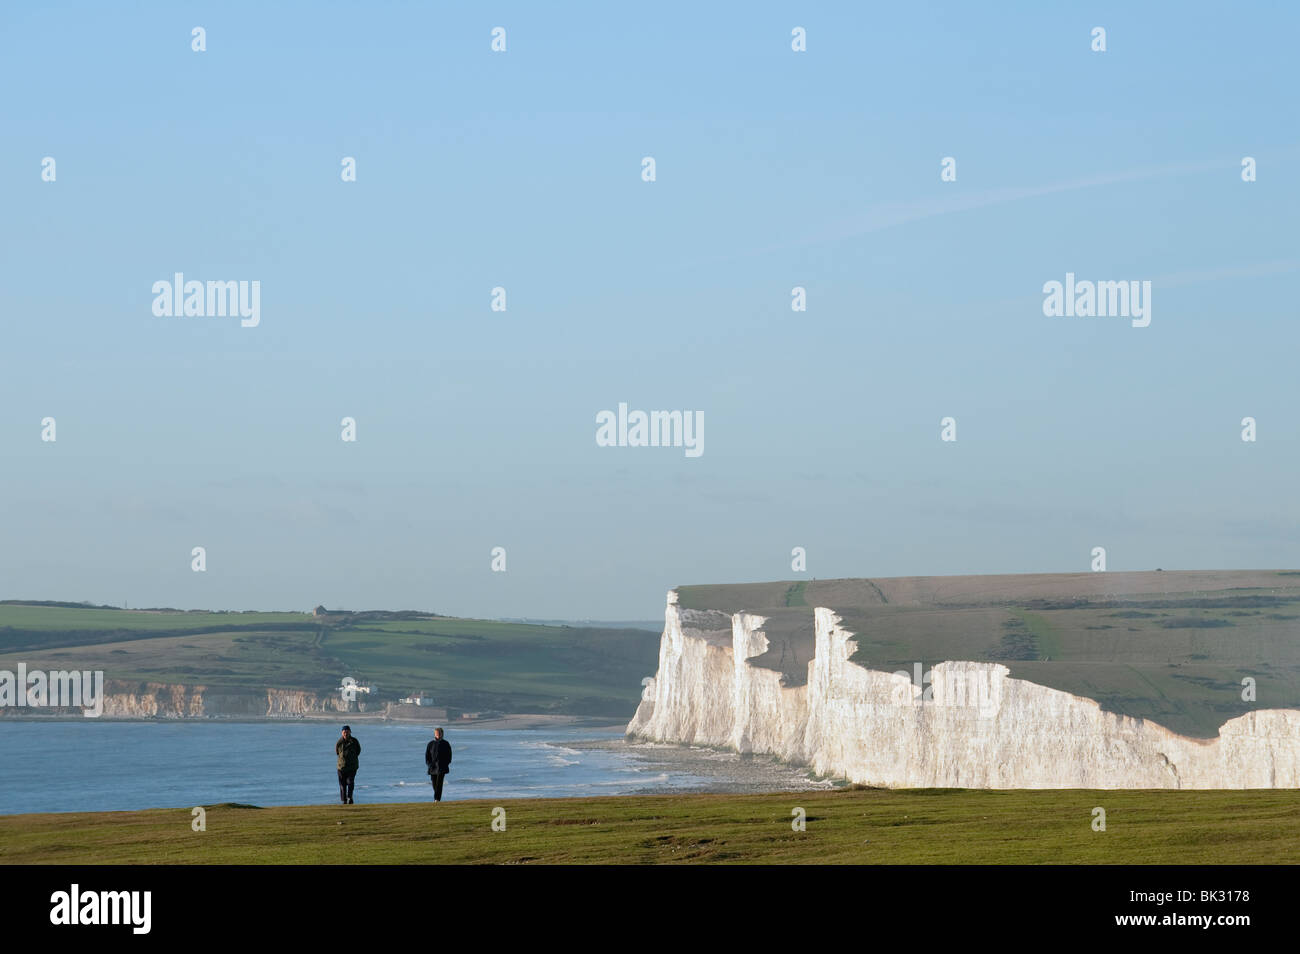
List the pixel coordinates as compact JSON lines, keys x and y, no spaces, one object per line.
{"x":347,"y":748}
{"x":437,"y":760}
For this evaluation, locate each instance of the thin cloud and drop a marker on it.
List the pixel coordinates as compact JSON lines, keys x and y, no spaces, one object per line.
{"x":1197,"y":276}
{"x":892,"y":214}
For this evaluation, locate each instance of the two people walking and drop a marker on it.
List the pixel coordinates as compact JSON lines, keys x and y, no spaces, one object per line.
{"x":437,"y":761}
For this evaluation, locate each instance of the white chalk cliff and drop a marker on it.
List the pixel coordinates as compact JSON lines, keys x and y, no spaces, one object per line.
{"x":987,"y":730}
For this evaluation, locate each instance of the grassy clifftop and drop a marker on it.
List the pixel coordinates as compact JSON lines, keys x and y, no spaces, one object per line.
{"x":1172,"y":647}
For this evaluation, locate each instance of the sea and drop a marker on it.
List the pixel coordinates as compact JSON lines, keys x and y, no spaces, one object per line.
{"x":93,"y":765}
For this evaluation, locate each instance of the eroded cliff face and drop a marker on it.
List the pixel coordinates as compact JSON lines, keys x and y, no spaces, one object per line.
{"x":974,"y":727}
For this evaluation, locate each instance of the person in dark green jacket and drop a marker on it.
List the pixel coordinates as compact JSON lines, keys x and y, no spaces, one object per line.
{"x":347,"y":749}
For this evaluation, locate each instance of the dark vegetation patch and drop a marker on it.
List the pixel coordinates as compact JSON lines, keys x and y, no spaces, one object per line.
{"x":411,"y":634}
{"x":572,"y":821}
{"x":64,"y":604}
{"x":1206,"y":682}
{"x":1206,"y":602}
{"x":18,"y":640}
{"x":1016,"y":643}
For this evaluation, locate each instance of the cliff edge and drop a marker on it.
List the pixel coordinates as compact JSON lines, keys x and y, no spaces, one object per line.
{"x":792,"y":681}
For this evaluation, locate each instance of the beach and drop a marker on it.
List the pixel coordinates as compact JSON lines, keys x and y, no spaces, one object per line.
{"x":715,"y":770}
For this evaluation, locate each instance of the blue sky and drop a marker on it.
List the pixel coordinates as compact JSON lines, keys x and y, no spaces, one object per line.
{"x":522,"y":169}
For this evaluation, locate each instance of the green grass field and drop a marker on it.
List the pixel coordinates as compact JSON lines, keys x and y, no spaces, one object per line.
{"x":465,"y":663}
{"x":848,"y":826}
